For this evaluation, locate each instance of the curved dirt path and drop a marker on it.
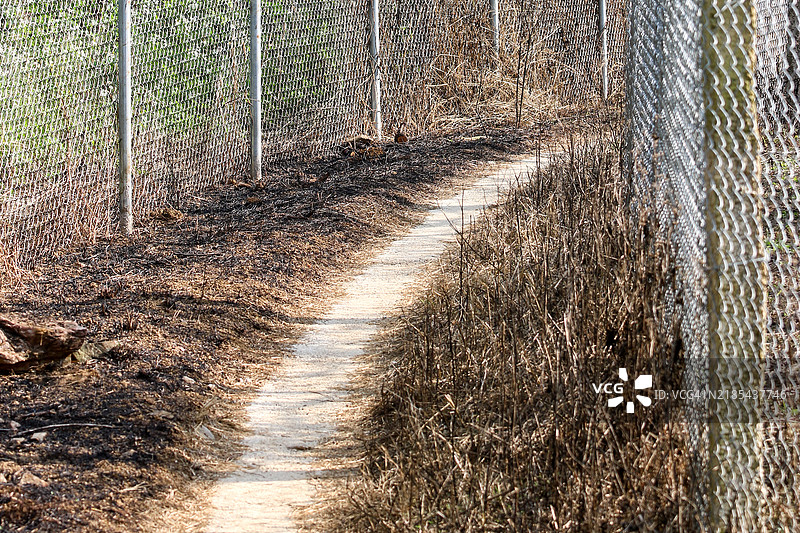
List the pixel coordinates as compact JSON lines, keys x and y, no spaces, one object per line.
{"x":298,"y":407}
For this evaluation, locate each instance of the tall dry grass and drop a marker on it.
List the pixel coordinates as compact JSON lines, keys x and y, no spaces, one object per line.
{"x":486,"y":419}
{"x":449,"y":76}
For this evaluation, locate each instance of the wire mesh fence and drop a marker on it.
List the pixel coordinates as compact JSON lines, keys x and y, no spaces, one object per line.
{"x":315,"y":76}
{"x":189,"y":99}
{"x":571,"y":29}
{"x":59,"y":100}
{"x":439,"y":63}
{"x":778,"y":104}
{"x":713,"y":135}
{"x":59,"y":92}
{"x":411,"y":34}
{"x":57,"y":124}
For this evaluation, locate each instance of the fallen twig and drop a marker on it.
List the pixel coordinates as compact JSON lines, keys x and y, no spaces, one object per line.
{"x":57,"y":426}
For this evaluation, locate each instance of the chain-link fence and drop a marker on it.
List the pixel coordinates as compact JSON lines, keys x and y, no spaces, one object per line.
{"x":571,"y":29}
{"x":189,"y":103}
{"x":408,"y":34}
{"x":439,"y":62}
{"x":190,"y":109}
{"x":315,"y":78}
{"x":778,"y":105}
{"x":714,"y":116}
{"x":58,"y":92}
{"x":190,"y":106}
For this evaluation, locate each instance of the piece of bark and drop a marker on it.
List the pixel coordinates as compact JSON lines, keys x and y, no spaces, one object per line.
{"x":23,"y":345}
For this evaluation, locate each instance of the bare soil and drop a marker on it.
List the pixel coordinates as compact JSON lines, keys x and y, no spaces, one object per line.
{"x":204,"y":302}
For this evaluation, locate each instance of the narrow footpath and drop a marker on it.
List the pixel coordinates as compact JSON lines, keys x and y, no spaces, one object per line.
{"x":298,"y":408}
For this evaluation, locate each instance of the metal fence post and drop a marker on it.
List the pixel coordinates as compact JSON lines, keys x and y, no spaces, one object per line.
{"x":495,"y":14}
{"x":737,"y":274}
{"x":603,"y":45}
{"x":793,"y":55}
{"x":255,"y":89}
{"x":375,"y":50}
{"x":124,"y":116}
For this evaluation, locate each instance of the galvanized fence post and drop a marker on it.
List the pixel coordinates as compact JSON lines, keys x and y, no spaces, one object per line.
{"x":124,"y":117}
{"x":737,"y":269}
{"x":255,"y":89}
{"x":603,"y":45}
{"x":495,"y":15}
{"x":375,"y":50}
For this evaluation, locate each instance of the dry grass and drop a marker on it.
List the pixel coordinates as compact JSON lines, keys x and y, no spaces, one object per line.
{"x":486,"y":419}
{"x":467,"y":82}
